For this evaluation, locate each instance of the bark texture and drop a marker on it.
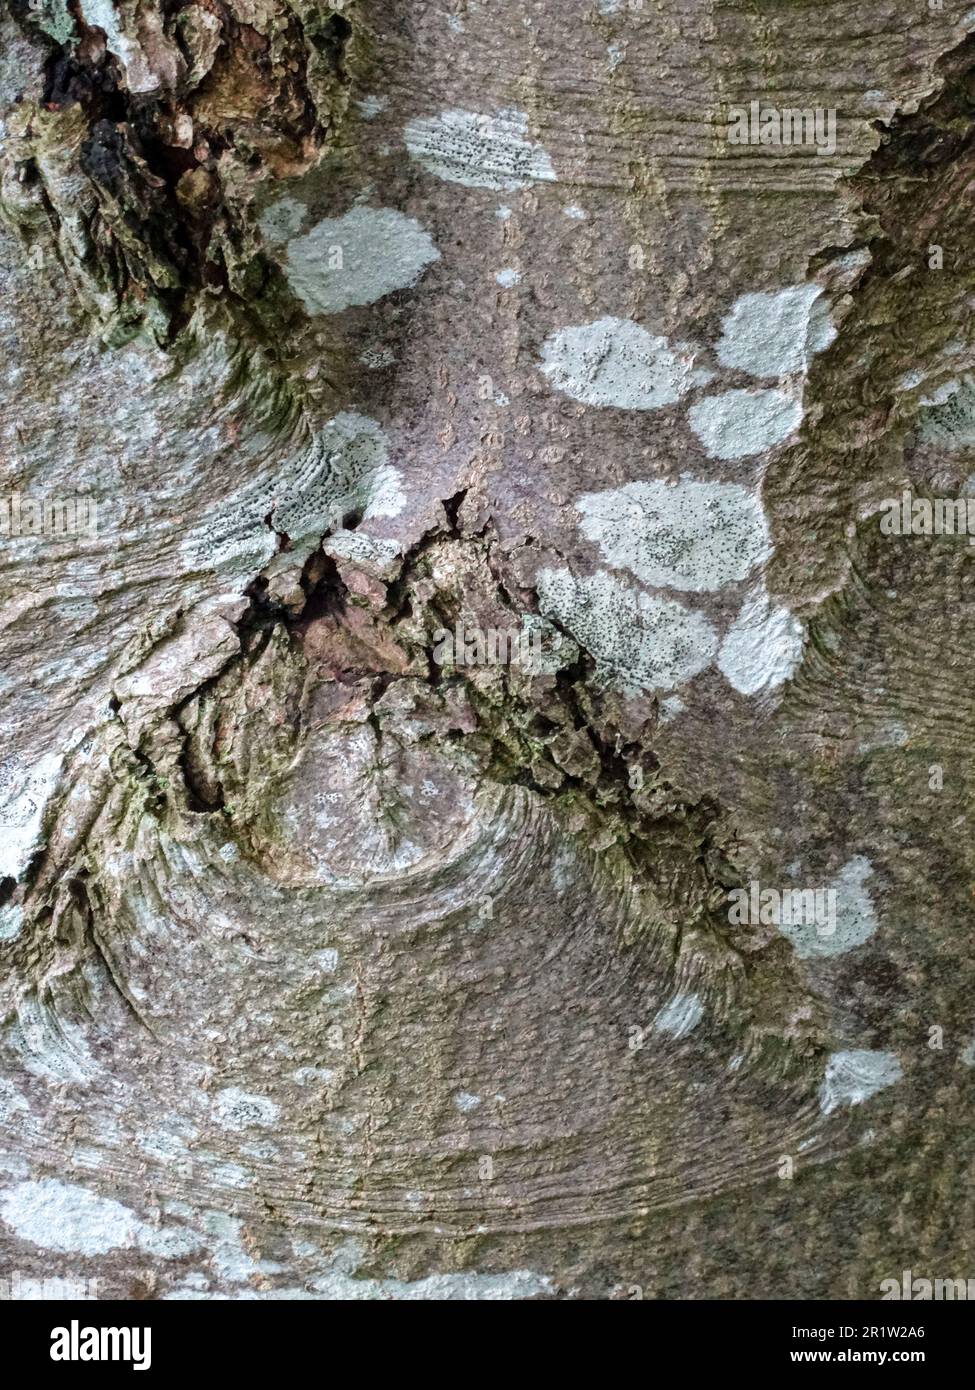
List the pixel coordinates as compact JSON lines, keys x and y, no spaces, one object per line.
{"x":330,"y":968}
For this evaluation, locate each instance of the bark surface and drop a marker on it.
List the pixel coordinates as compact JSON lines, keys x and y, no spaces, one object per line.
{"x":333,"y":965}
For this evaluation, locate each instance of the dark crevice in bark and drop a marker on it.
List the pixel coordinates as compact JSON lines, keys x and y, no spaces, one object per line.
{"x":169,"y":222}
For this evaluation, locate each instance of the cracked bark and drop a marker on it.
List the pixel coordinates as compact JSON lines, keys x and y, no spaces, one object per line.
{"x":345,"y":973}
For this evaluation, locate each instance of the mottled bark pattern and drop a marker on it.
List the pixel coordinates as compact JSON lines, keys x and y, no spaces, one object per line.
{"x":332,"y":969}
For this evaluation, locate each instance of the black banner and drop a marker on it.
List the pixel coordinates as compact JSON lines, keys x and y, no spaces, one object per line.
{"x":146,"y":1338}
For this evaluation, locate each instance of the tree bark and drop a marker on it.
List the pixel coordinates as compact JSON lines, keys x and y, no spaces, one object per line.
{"x":488,"y":604}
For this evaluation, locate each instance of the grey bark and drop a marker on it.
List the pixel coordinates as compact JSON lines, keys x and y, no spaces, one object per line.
{"x":331,"y":967}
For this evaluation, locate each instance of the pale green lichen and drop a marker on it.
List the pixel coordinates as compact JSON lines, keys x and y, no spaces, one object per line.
{"x":639,"y":642}
{"x":689,"y":535}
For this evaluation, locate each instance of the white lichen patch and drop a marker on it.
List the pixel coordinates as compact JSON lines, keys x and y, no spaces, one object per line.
{"x":854,"y":921}
{"x":232,"y":1175}
{"x":950,"y":424}
{"x":615,"y":362}
{"x":853,"y":1077}
{"x":162,"y":1146}
{"x":856,"y":910}
{"x":639,"y":642}
{"x":373,"y":554}
{"x":377,"y":358}
{"x":357,"y":258}
{"x":465,"y":1102}
{"x":339,"y":1285}
{"x":856,"y":915}
{"x":774,"y":335}
{"x":467,"y":1287}
{"x":479,"y":151}
{"x":343,"y":470}
{"x":508,"y":277}
{"x":339,"y":1281}
{"x":689,"y":535}
{"x":11,"y":921}
{"x":679,"y":1016}
{"x":940,"y":394}
{"x":238,"y":1110}
{"x":167,"y":1242}
{"x":738,"y":424}
{"x":763,"y":647}
{"x":139,"y":74}
{"x":66,"y":1217}
{"x":24,"y":793}
{"x":48,"y":1046}
{"x":346,"y":471}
